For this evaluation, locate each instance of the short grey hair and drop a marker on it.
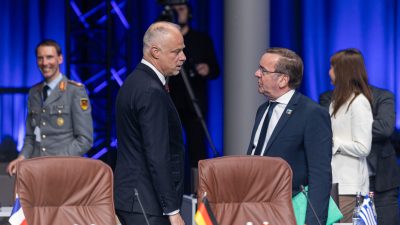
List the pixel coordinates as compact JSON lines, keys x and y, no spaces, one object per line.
{"x":289,"y":63}
{"x":156,"y":32}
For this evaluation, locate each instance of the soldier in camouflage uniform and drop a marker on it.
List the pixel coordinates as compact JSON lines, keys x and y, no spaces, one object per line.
{"x":59,"y":118}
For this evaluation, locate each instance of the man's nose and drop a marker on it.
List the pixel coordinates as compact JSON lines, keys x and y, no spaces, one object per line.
{"x":183,"y":57}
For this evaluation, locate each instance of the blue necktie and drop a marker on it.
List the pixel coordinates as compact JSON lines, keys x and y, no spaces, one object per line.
{"x":264,"y":128}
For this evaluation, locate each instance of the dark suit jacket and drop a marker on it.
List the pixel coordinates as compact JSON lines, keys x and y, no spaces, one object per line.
{"x":382,"y":158}
{"x":303,"y":137}
{"x":150,"y":146}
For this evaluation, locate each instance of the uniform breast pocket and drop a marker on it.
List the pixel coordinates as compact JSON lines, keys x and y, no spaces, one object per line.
{"x":34,"y":117}
{"x":60,"y":115}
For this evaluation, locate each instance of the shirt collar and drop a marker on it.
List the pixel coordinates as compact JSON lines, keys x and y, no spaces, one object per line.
{"x":159,"y":74}
{"x":284,"y":99}
{"x":53,"y":83}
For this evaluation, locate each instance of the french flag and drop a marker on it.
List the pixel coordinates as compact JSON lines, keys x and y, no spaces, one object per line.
{"x":17,"y":215}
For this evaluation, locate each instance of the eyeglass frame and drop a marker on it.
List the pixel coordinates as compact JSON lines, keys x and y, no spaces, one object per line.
{"x":265,"y":72}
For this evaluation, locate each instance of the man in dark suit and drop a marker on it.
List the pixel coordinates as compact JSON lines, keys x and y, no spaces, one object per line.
{"x":150,"y":141}
{"x":298,"y":130}
{"x":384,"y":172}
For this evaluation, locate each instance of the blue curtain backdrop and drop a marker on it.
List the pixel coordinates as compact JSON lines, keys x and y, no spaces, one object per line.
{"x":313,"y":28}
{"x":24,"y":23}
{"x":317,"y":29}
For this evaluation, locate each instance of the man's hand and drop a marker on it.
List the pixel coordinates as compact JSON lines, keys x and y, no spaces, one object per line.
{"x":176,"y":219}
{"x":202,"y":69}
{"x":12,"y":166}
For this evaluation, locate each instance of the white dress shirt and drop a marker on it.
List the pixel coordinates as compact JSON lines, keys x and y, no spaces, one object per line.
{"x":53,"y":84}
{"x":159,"y":74}
{"x":276,"y":115}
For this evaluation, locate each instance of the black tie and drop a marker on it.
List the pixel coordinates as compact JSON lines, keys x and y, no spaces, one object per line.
{"x":264,"y":128}
{"x":45,"y":89}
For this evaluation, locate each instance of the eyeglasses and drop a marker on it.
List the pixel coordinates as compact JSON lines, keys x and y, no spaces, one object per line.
{"x":265,"y":72}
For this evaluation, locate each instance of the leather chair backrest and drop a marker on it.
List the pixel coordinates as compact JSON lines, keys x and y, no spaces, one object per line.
{"x":247,"y":188}
{"x":65,"y":190}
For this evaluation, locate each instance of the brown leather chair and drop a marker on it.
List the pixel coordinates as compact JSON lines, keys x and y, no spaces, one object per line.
{"x":247,"y":188}
{"x":66,"y":190}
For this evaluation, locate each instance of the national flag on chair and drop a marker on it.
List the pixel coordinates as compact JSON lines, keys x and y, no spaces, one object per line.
{"x":17,"y":215}
{"x":204,"y":215}
{"x":367,"y":213}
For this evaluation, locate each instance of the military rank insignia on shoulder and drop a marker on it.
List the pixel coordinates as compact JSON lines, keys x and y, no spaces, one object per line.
{"x":62,"y":85}
{"x":75,"y":83}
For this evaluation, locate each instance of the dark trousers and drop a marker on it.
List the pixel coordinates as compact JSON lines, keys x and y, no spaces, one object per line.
{"x":195,"y":145}
{"x":195,"y":138}
{"x":131,"y":218}
{"x":386,"y":204}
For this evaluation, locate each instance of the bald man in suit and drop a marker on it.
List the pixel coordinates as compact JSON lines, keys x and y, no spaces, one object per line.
{"x":150,"y":153}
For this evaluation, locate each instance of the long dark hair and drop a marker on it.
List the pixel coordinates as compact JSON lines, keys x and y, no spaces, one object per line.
{"x":350,"y":78}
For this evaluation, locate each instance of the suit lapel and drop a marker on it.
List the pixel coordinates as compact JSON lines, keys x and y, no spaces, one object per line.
{"x":150,"y":73}
{"x":286,"y":115}
{"x":257,"y":121}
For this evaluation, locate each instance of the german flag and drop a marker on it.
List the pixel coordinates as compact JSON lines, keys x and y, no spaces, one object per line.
{"x":204,"y":215}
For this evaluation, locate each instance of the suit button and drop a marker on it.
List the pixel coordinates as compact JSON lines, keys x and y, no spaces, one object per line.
{"x":44,"y":149}
{"x":43,"y":136}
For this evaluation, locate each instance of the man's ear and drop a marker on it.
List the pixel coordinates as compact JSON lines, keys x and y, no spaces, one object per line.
{"x":155,"y":52}
{"x":60,"y":59}
{"x":284,"y":81}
